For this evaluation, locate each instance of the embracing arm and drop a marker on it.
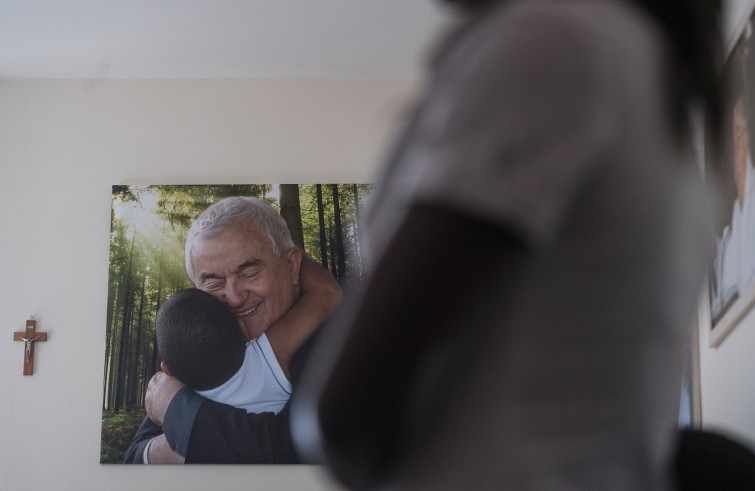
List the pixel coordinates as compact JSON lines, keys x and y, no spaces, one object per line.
{"x":437,"y":264}
{"x":321,"y":295}
{"x":224,"y":434}
{"x":147,"y":431}
{"x":159,"y":452}
{"x":204,"y":431}
{"x":149,"y":441}
{"x":149,"y":446}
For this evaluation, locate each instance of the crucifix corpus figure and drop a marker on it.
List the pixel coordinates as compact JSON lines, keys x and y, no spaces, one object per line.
{"x":29,"y":337}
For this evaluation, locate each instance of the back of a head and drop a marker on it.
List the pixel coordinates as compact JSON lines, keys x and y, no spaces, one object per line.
{"x":228,"y":213}
{"x":198,"y":338}
{"x":693,"y":31}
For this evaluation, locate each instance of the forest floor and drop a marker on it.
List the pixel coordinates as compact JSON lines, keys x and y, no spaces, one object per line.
{"x":117,"y":431}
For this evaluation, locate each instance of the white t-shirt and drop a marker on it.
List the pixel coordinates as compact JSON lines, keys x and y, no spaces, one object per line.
{"x":259,"y":386}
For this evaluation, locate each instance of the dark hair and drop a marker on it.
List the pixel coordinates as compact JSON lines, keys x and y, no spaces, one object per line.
{"x":693,"y":30}
{"x":199,"y":339}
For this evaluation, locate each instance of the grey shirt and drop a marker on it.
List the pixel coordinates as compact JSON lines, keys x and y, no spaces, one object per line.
{"x":548,"y":119}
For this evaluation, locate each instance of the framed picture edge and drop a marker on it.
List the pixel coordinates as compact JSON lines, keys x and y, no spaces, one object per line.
{"x":731,"y":319}
{"x":696,"y":403}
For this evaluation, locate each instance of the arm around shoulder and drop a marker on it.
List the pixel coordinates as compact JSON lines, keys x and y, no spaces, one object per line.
{"x":227,"y":435}
{"x":146,"y":432}
{"x":320,"y":296}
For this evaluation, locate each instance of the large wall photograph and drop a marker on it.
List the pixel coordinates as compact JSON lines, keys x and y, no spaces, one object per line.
{"x":149,"y":226}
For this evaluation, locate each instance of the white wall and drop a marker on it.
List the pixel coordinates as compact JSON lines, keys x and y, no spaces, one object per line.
{"x":727,"y":379}
{"x":62,"y":145}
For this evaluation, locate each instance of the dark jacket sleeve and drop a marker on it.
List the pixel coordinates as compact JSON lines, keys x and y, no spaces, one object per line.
{"x":207,"y":432}
{"x":135,"y":451}
{"x":218,"y":433}
{"x":228,"y":435}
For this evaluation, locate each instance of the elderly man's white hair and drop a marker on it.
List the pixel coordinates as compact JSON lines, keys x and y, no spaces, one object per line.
{"x":230,"y":212}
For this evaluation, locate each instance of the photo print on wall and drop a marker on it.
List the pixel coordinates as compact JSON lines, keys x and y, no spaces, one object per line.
{"x":242,"y":274}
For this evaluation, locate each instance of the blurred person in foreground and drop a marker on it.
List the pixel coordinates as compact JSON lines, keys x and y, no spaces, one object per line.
{"x":540,"y":238}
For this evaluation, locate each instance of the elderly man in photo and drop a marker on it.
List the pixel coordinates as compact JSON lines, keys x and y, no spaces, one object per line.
{"x":735,"y":261}
{"x":240,"y":251}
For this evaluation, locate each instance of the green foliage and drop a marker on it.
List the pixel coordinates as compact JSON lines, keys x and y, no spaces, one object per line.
{"x":117,"y":432}
{"x":350,"y":202}
{"x":125,"y":193}
{"x":181,"y":205}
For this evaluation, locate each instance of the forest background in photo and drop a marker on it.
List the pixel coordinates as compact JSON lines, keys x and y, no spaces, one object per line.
{"x":148,"y":229}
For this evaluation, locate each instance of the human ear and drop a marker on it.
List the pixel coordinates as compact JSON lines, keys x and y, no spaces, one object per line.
{"x":165,"y":368}
{"x":294,"y":264}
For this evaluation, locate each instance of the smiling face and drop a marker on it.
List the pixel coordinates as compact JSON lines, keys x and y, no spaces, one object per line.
{"x":240,"y":269}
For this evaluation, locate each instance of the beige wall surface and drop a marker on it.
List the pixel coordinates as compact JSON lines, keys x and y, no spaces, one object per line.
{"x":63,"y":144}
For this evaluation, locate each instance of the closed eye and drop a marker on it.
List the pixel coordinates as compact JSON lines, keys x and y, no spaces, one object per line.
{"x":249,"y":274}
{"x":211,"y":281}
{"x":249,"y":270}
{"x":212,"y":285}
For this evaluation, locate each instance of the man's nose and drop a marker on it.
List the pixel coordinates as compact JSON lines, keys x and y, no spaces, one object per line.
{"x":234,"y":295}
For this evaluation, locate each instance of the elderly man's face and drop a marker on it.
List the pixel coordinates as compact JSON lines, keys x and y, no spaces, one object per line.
{"x":240,"y":269}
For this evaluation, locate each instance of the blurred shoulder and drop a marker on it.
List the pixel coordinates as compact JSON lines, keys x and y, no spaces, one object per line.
{"x":564,"y":35}
{"x":613,"y":19}
{"x":598,"y":38}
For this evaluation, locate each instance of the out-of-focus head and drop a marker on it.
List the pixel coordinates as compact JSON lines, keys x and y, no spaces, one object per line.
{"x":693,"y":31}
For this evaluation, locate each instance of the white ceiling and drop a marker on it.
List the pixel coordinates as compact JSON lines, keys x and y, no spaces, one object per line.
{"x":216,"y":38}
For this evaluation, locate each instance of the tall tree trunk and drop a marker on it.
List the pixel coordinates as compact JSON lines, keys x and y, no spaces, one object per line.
{"x":333,"y":259}
{"x":115,"y":336}
{"x":109,"y":342}
{"x":124,"y":331}
{"x":291,"y":212}
{"x":357,"y":224}
{"x":340,"y":256}
{"x":120,"y":375}
{"x":105,"y":374}
{"x":144,"y":367}
{"x":158,"y":302}
{"x":321,"y":222}
{"x":131,"y":400}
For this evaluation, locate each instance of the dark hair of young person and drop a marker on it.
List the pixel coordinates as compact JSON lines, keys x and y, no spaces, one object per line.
{"x":198,"y":339}
{"x":692,"y":28}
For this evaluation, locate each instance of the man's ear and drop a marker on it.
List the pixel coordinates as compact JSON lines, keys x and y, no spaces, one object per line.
{"x":165,"y":368}
{"x":294,"y":264}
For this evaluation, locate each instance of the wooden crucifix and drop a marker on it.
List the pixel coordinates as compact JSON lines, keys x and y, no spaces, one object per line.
{"x":29,"y":337}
